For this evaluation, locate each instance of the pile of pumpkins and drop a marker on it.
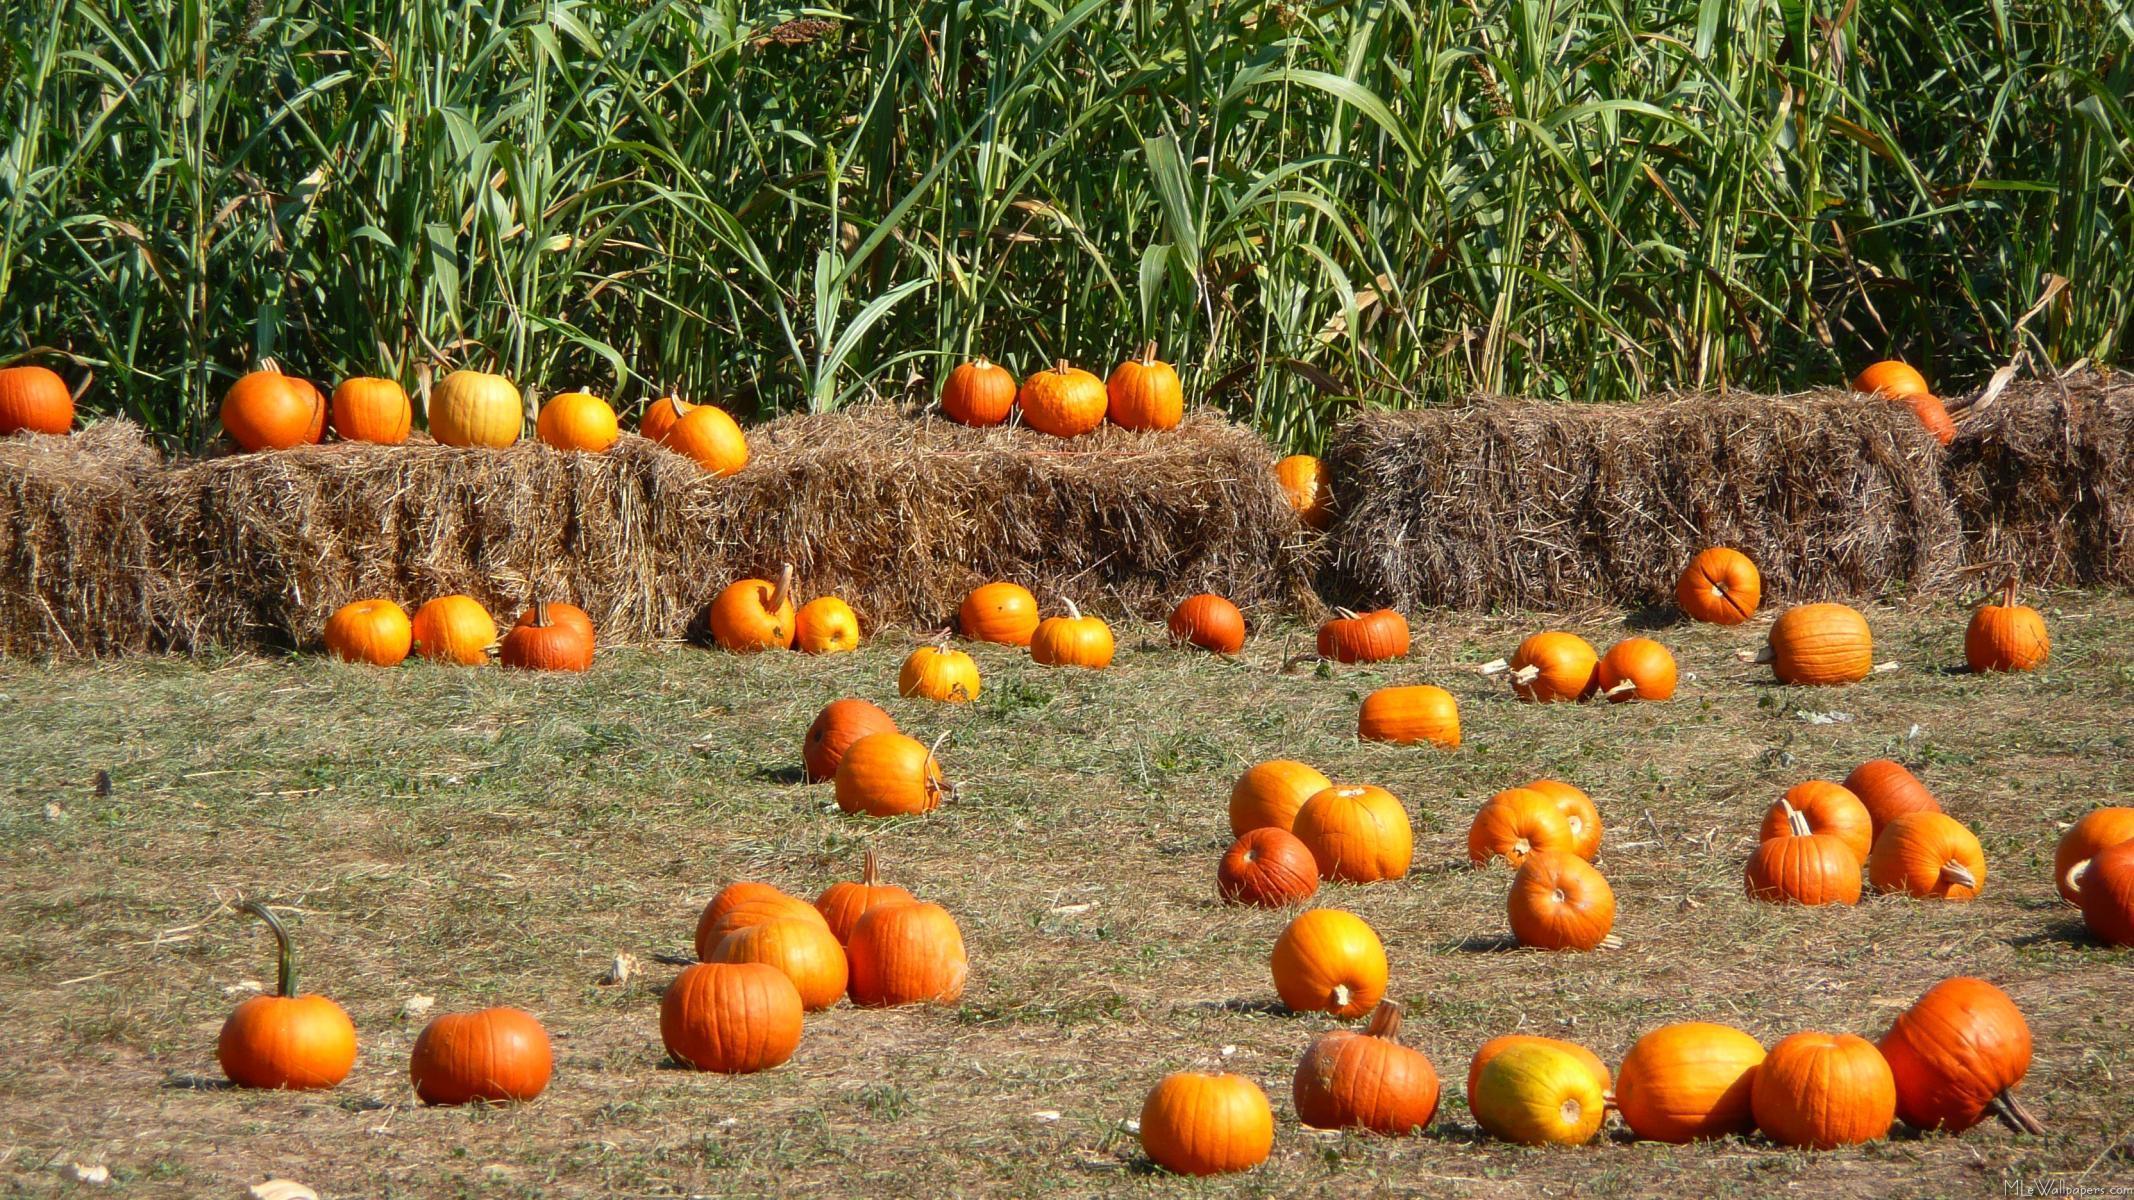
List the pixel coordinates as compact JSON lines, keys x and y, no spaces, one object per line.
{"x":548,"y":636}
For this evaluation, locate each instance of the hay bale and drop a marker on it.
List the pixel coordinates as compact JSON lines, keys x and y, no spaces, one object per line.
{"x":1549,"y":506}
{"x":2043,"y":476}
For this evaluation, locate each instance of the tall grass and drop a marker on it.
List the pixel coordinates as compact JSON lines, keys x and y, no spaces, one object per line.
{"x":1308,"y":205}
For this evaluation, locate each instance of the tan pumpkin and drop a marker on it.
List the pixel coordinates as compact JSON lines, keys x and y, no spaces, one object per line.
{"x":1537,"y":1092}
{"x":473,"y":408}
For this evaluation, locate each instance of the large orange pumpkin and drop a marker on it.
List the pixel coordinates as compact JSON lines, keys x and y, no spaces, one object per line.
{"x":366,"y":409}
{"x":1637,"y":669}
{"x":1801,"y":866}
{"x":835,"y":728}
{"x":1721,"y":586}
{"x":1821,"y":645}
{"x":1824,"y":1090}
{"x":1144,"y":393}
{"x":1552,"y":666}
{"x":736,"y":1018}
{"x":1328,"y":960}
{"x":1366,"y":1080}
{"x":1072,"y":641}
{"x":708,"y":437}
{"x":34,"y":398}
{"x":1196,"y":1124}
{"x":1827,"y":808}
{"x":1688,"y":1082}
{"x":496,"y":1055}
{"x":750,"y":615}
{"x":843,"y":904}
{"x":377,"y":632}
{"x":1516,"y":822}
{"x":1352,"y":637}
{"x":1957,"y":1055}
{"x":978,"y":392}
{"x":1559,"y":902}
{"x":577,"y":421}
{"x":1210,"y":622}
{"x":2098,"y":830}
{"x":453,"y":629}
{"x":1267,"y":867}
{"x":286,"y":1040}
{"x":548,"y":637}
{"x":1578,"y":812}
{"x":1406,"y":715}
{"x":1063,"y":401}
{"x":889,"y":775}
{"x":907,"y":954}
{"x":1270,"y":793}
{"x":1357,"y":833}
{"x":999,"y":612}
{"x":1930,"y":856}
{"x":806,"y":952}
{"x":2006,"y":636}
{"x":267,"y":410}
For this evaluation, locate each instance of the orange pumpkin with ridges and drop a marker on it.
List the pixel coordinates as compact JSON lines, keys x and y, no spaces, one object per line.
{"x":826,"y":625}
{"x":707,"y":436}
{"x":1930,"y":856}
{"x":1352,"y":637}
{"x":1144,"y":393}
{"x":1270,"y":793}
{"x":1957,"y":1055}
{"x":1210,"y":622}
{"x":577,"y":421}
{"x":454,"y":629}
{"x":366,"y":409}
{"x":1072,"y":641}
{"x":978,"y":392}
{"x":734,"y":1018}
{"x":1560,"y":902}
{"x":888,"y":775}
{"x":1516,"y":822}
{"x":377,"y":632}
{"x":267,"y":410}
{"x":1267,"y":867}
{"x":1357,"y":833}
{"x":1824,"y":1090}
{"x":1063,"y":401}
{"x":1689,"y":1082}
{"x":1889,"y":791}
{"x":1720,"y":586}
{"x":907,"y":954}
{"x":1328,"y":960}
{"x":34,"y":398}
{"x":835,"y":728}
{"x":1199,"y":1124}
{"x":843,"y":904}
{"x":804,"y":951}
{"x":496,"y":1055}
{"x":752,"y":615}
{"x":1005,"y":613}
{"x":2098,"y":830}
{"x":1366,"y":1080}
{"x":286,"y":1040}
{"x":1821,"y":645}
{"x":1578,"y":812}
{"x":1407,"y":715}
{"x":1828,"y":808}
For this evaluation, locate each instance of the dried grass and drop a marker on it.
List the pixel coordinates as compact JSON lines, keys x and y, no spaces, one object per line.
{"x":2043,"y":476}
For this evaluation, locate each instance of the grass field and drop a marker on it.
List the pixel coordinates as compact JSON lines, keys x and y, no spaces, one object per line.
{"x":484,"y":838}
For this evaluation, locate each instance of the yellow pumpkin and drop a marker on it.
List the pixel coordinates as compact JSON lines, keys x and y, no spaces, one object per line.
{"x":939,"y":673}
{"x":471,"y":408}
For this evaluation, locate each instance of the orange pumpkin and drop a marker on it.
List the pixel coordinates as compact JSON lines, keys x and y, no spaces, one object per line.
{"x":1328,"y":960}
{"x":267,"y":410}
{"x":1891,"y":378}
{"x":708,"y":437}
{"x":453,"y":629}
{"x":736,"y":1018}
{"x":978,"y":392}
{"x":751,"y":615}
{"x":1801,"y":866}
{"x":549,"y":637}
{"x":843,"y":904}
{"x":1824,"y":1090}
{"x":1559,"y":902}
{"x":660,"y":416}
{"x":1688,"y":1082}
{"x":1889,"y":791}
{"x":1930,"y":856}
{"x":1721,"y":586}
{"x":1209,"y":622}
{"x":1637,"y":669}
{"x":939,"y":673}
{"x":1515,"y":823}
{"x":1072,"y":641}
{"x":577,"y":421}
{"x":1357,"y":833}
{"x":1267,"y":867}
{"x":2006,"y":636}
{"x":1270,"y":793}
{"x":372,"y":410}
{"x":1366,"y":1080}
{"x":286,"y":1040}
{"x":907,"y":954}
{"x":2098,"y":830}
{"x":1352,"y":637}
{"x":1063,"y":401}
{"x":369,"y":631}
{"x":835,"y":728}
{"x":826,"y":625}
{"x":888,"y":775}
{"x":2108,"y":895}
{"x":1407,"y":715}
{"x":999,"y":612}
{"x":496,"y":1055}
{"x":1957,"y":1055}
{"x":1144,"y":393}
{"x":1578,"y":813}
{"x":1304,"y":481}
{"x":1821,"y":645}
{"x":34,"y":398}
{"x":473,"y":408}
{"x":1827,"y":808}
{"x":805,"y":952}
{"x":1554,"y":666}
{"x":1196,"y":1124}
{"x":741,"y":905}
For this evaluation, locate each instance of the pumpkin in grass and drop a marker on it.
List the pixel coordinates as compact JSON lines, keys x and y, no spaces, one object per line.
{"x":1498,"y":1045}
{"x":1328,"y":960}
{"x":549,"y":637}
{"x":804,"y":951}
{"x":1889,"y":791}
{"x":708,"y":437}
{"x":1821,"y":645}
{"x":733,"y":1017}
{"x":1689,"y":1081}
{"x":1353,"y":637}
{"x":660,"y":416}
{"x":1637,"y":669}
{"x":1303,"y":480}
{"x":287,"y":1040}
{"x":1366,"y":1079}
{"x":1005,"y":613}
{"x":843,"y":904}
{"x":889,"y":775}
{"x":2108,"y":895}
{"x":1407,"y":715}
{"x":377,"y":632}
{"x":1929,"y":856}
{"x":1072,"y":641}
{"x":367,"y":409}
{"x":495,"y":1055}
{"x":1210,"y":622}
{"x":832,"y":732}
{"x":1270,"y":793}
{"x":267,"y":410}
{"x":1267,"y":867}
{"x":1957,"y":1055}
{"x":1516,"y":822}
{"x":1828,"y":808}
{"x":474,"y":408}
{"x":34,"y":398}
{"x":2006,"y":636}
{"x":1357,"y":833}
{"x":577,"y":421}
{"x":752,"y":615}
{"x":1552,"y":666}
{"x":907,"y":954}
{"x":938,"y":673}
{"x":1824,"y":1090}
{"x":1144,"y":393}
{"x":1203,"y":1124}
{"x":1801,"y":866}
{"x":1559,"y":902}
{"x":1720,"y":586}
{"x":1536,"y":1092}
{"x":826,"y":625}
{"x":454,"y":629}
{"x":979,"y":392}
{"x":741,"y":905}
{"x":2098,"y":830}
{"x":1062,"y":400}
{"x":1578,"y":812}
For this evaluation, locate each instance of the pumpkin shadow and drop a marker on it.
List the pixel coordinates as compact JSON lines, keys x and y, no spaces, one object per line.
{"x":1654,"y":616}
{"x":2066,"y":932}
{"x":1238,"y":1004}
{"x":1488,"y":943}
{"x":198,"y":1083}
{"x":785,"y":773}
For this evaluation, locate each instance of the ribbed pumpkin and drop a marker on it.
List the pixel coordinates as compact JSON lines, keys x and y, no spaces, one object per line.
{"x":804,"y":951}
{"x":1144,"y":393}
{"x":1270,"y":793}
{"x":978,"y":392}
{"x":1889,"y":791}
{"x":1498,"y":1045}
{"x":2006,"y":636}
{"x":708,"y":437}
{"x":1578,"y":812}
{"x":1552,"y":666}
{"x":1637,"y":669}
{"x":1559,"y":902}
{"x":1801,"y":866}
{"x":889,"y":775}
{"x":1824,"y":1090}
{"x":1687,"y":1082}
{"x":1407,"y":715}
{"x":1516,"y":822}
{"x":454,"y":629}
{"x":577,"y":421}
{"x":1210,"y":622}
{"x":1366,"y":1080}
{"x":835,"y":728}
{"x":1352,"y":637}
{"x":1537,"y":1093}
{"x":2108,"y":895}
{"x":843,"y":904}
{"x":907,"y":954}
{"x":367,"y":409}
{"x":939,"y":673}
{"x":1063,"y":401}
{"x":740,"y":905}
{"x":496,"y":1054}
{"x":1891,"y":378}
{"x":1930,"y":856}
{"x":660,"y":416}
{"x":1072,"y":641}
{"x":752,"y":615}
{"x":1821,"y":645}
{"x":1267,"y":867}
{"x":1303,"y":480}
{"x":826,"y":625}
{"x":2098,"y":830}
{"x":472,"y":408}
{"x":377,"y":632}
{"x":34,"y":398}
{"x":1721,"y":586}
{"x":1957,"y":1055}
{"x":1828,"y":808}
{"x":549,"y":637}
{"x":1328,"y":960}
{"x":735,"y":1018}
{"x":1357,"y":833}
{"x":267,"y":410}
{"x":1005,"y":613}
{"x":1199,"y":1124}
{"x":287,"y":1040}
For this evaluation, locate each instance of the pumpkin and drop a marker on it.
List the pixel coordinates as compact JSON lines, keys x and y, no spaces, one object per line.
{"x":471,"y":408}
{"x":1828,"y":808}
{"x":453,"y":629}
{"x":289,"y":1040}
{"x":999,"y":612}
{"x":1891,"y":378}
{"x":660,"y":416}
{"x":1303,"y":480}
{"x":1824,"y":1090}
{"x":1356,"y":833}
{"x":1958,"y":1054}
{"x":1209,"y":622}
{"x":1821,"y":645}
{"x":708,"y":437}
{"x":1537,"y":1093}
{"x":495,"y":1055}
{"x":1407,"y":715}
{"x":907,"y":954}
{"x":1801,"y":866}
{"x":1927,"y":855}
{"x":365,"y":409}
{"x":826,"y":625}
{"x":1063,"y":401}
{"x":1933,"y":416}
{"x":1352,"y":637}
{"x":1721,"y":586}
{"x":1553,"y":666}
{"x":2006,"y":636}
{"x":267,"y":410}
{"x":549,"y":637}
{"x":1270,"y":793}
{"x":741,"y":905}
{"x":1498,"y":1045}
{"x":1366,"y":1080}
{"x":1889,"y":791}
{"x":1637,"y":669}
{"x":751,"y":615}
{"x":1578,"y":812}
{"x":1201,"y":1124}
{"x":1144,"y":393}
{"x":377,"y":632}
{"x":805,"y":952}
{"x":1072,"y":641}
{"x":1515,"y":823}
{"x":888,"y":775}
{"x":577,"y":421}
{"x":1328,"y":960}
{"x":978,"y":392}
{"x":1559,"y":902}
{"x":34,"y":398}
{"x":1690,"y":1081}
{"x":732,"y":1017}
{"x":2097,"y":831}
{"x":832,"y":732}
{"x":2108,"y":895}
{"x":1267,"y":867}
{"x":939,"y":673}
{"x":843,"y":904}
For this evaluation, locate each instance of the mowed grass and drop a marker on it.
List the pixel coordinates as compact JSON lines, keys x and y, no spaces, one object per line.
{"x":490,"y":838}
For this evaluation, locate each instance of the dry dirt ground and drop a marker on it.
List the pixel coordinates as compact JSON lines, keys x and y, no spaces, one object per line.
{"x":486,"y":838}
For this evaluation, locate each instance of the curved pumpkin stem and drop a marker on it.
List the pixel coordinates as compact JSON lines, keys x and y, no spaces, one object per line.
{"x":1385,"y":1022}
{"x":981,"y":362}
{"x":2016,"y":1117}
{"x":1958,"y":874}
{"x":1346,"y":614}
{"x":1148,"y":352}
{"x":1627,"y":685}
{"x":1525,"y":675}
{"x":926,"y":779}
{"x":1796,"y":819}
{"x":1073,"y":613}
{"x":285,"y":978}
{"x":779,"y":593}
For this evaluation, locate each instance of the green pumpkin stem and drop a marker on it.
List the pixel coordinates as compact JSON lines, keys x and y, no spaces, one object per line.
{"x":285,"y":979}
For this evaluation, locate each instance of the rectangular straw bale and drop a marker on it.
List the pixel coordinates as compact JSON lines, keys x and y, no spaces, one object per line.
{"x":2043,"y":476}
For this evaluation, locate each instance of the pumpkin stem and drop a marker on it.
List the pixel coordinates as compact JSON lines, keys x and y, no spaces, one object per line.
{"x":1060,"y":365}
{"x":1525,"y":675}
{"x":1341,"y":995}
{"x":1385,"y":1022}
{"x":2012,"y":1114}
{"x":867,"y":868}
{"x":285,"y":978}
{"x":1073,"y":613}
{"x":269,"y":365}
{"x":926,"y":778}
{"x":1495,"y":666}
{"x":981,"y":362}
{"x":2008,"y":590}
{"x":1627,"y":685}
{"x":1148,"y":352}
{"x":1346,"y":614}
{"x":1795,"y":819}
{"x":778,"y":594}
{"x":540,"y":620}
{"x":1958,"y":875}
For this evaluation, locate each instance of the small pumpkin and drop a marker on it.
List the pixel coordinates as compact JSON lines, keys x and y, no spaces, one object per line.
{"x":1209,"y":622}
{"x":2006,"y":636}
{"x":889,"y":775}
{"x":708,"y":437}
{"x":1930,"y":856}
{"x":1352,"y":637}
{"x":1888,"y":791}
{"x":34,"y":398}
{"x":1720,"y":586}
{"x":1304,"y":482}
{"x":1559,"y":902}
{"x":744,"y":904}
{"x":473,"y":408}
{"x":453,"y":629}
{"x":1366,"y":1080}
{"x":1578,"y":812}
{"x":1688,"y":1082}
{"x":1005,"y":613}
{"x":843,"y":904}
{"x":732,"y":1017}
{"x":752,"y":615}
{"x":1892,"y":378}
{"x":1144,"y":393}
{"x":1552,"y":666}
{"x":377,"y":632}
{"x":804,"y":951}
{"x":1957,"y":1055}
{"x":1498,"y":1045}
{"x":1357,"y":833}
{"x":1824,"y":1090}
{"x":302,"y":1042}
{"x":979,"y":392}
{"x":494,"y":1055}
{"x":2098,"y":830}
{"x":1270,"y":793}
{"x":1072,"y":641}
{"x":660,"y":416}
{"x":1202,"y":1124}
{"x":1537,"y":1093}
{"x":1801,"y":866}
{"x":1821,"y":645}
{"x":832,"y":732}
{"x":1516,"y":822}
{"x":1407,"y":715}
{"x":939,"y":673}
{"x":1063,"y":401}
{"x":267,"y":410}
{"x":907,"y":954}
{"x":2108,"y":895}
{"x":1828,"y":808}
{"x":366,"y":409}
{"x":1637,"y":669}
{"x":826,"y":625}
{"x":577,"y":421}
{"x":1267,"y":867}
{"x":549,"y":637}
{"x":1328,"y":960}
